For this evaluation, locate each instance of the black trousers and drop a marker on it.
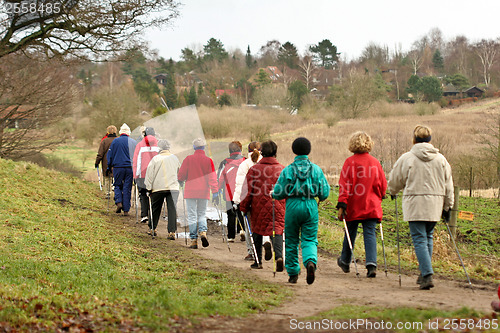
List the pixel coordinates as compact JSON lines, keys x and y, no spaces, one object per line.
{"x":276,"y":241}
{"x":157,"y":199}
{"x":234,"y":221}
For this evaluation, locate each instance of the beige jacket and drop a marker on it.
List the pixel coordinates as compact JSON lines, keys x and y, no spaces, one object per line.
{"x":425,"y":177}
{"x":161,"y":174}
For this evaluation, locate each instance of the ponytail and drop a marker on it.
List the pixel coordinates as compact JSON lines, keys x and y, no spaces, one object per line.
{"x":254,"y":148}
{"x":255,"y":155}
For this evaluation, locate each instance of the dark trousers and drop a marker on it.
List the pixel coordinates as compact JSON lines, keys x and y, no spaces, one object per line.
{"x":157,"y":199}
{"x":123,"y":179}
{"x":233,"y":224}
{"x":276,"y":241}
{"x":144,"y":202}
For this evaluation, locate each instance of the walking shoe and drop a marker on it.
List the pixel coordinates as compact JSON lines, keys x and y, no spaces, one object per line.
{"x":293,"y":278}
{"x":344,"y":266}
{"x":204,"y":240}
{"x":242,"y":236}
{"x":194,"y":244}
{"x":144,"y":219}
{"x":268,"y":254}
{"x":419,"y":279}
{"x":171,"y":236}
{"x":311,"y":269}
{"x":250,"y":257}
{"x":119,"y":207}
{"x":125,"y":213}
{"x":230,"y":240}
{"x":256,"y":266}
{"x":279,"y":265}
{"x":372,"y":271}
{"x":427,"y":282}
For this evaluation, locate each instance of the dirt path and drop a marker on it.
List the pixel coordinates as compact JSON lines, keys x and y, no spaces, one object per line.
{"x":331,"y":288}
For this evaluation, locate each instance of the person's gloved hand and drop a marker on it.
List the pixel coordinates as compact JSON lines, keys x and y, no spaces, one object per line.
{"x":446,"y":216}
{"x":97,"y":165}
{"x":215,"y":198}
{"x":394,"y":196}
{"x":108,"y":172}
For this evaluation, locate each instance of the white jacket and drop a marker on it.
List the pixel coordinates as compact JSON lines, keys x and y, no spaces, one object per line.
{"x":241,"y":176}
{"x":425,"y":177}
{"x":161,"y":174}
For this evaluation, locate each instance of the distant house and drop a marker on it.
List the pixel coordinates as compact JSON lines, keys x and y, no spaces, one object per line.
{"x":220,"y":92}
{"x":474,"y":92}
{"x":450,"y":91}
{"x":161,"y":79}
{"x":273,"y":72}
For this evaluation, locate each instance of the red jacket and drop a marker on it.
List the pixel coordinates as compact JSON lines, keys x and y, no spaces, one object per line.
{"x":259,"y":181}
{"x":198,"y":171}
{"x":362,"y":186}
{"x":143,"y":154}
{"x":227,"y":178}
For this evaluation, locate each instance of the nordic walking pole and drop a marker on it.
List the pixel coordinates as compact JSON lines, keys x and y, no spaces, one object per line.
{"x":397,"y":235}
{"x":151,"y":214}
{"x":458,"y":253}
{"x":136,"y":194}
{"x":350,"y":245}
{"x":383,"y":247}
{"x":251,"y":240}
{"x":274,"y":240}
{"x":219,"y":213}
{"x":99,"y":177}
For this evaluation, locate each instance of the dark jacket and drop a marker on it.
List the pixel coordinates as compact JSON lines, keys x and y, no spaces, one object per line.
{"x":121,"y":151}
{"x":102,"y":152}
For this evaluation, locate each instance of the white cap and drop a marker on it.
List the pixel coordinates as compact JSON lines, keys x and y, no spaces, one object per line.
{"x":125,"y":129}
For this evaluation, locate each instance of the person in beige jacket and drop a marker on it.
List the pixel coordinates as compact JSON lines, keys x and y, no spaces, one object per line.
{"x":425,"y":177}
{"x":161,"y":182}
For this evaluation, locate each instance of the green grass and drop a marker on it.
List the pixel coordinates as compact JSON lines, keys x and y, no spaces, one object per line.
{"x":77,"y":154}
{"x":64,"y":263}
{"x":477,"y":241}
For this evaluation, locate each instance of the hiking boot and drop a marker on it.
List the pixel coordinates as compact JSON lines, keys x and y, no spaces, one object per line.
{"x":242,"y":236}
{"x":144,"y":219}
{"x":204,"y":240}
{"x":293,"y":278}
{"x":256,"y":266}
{"x":230,"y":240}
{"x":119,"y":207}
{"x":268,"y":253}
{"x":372,"y":271}
{"x":311,"y":269}
{"x":427,"y":282}
{"x":419,"y":279}
{"x":250,"y":257}
{"x":343,"y":265}
{"x":194,"y":244}
{"x":171,"y":236}
{"x":279,"y":265}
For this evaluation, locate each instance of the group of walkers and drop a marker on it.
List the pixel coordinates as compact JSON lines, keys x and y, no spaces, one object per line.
{"x":266,"y":202}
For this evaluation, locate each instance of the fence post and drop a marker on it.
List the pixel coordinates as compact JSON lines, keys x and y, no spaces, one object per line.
{"x":454,"y":213}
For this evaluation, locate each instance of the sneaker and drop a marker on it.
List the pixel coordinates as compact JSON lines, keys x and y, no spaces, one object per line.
{"x":119,"y":207}
{"x":171,"y":236}
{"x":204,"y":240}
{"x":344,"y":266}
{"x":311,"y":269}
{"x":427,"y":282}
{"x":250,"y":257}
{"x":230,"y":240}
{"x":279,"y":265}
{"x":194,"y":244}
{"x":256,"y":266}
{"x":268,"y":254}
{"x":144,"y":219}
{"x":242,"y":236}
{"x":293,"y":278}
{"x":372,"y":271}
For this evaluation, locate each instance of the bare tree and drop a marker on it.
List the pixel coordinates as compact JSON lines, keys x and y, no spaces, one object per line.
{"x":307,"y":66}
{"x":487,"y":51}
{"x":79,"y":26}
{"x":416,"y":60}
{"x":33,"y":96}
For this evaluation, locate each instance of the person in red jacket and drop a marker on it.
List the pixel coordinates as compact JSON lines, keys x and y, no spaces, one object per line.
{"x":362,"y":186}
{"x":227,"y":171}
{"x":144,"y":152}
{"x":259,"y":183}
{"x":198,"y":173}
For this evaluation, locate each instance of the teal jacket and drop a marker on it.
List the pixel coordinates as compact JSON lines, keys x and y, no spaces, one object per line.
{"x":301,"y":179}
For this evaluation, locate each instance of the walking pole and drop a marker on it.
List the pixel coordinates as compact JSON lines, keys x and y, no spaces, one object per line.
{"x":383,"y":247}
{"x":219,"y":213}
{"x":251,"y":240}
{"x":458,"y":253}
{"x":185,"y":217}
{"x":151,"y":214}
{"x":397,"y":235}
{"x":274,"y":240}
{"x":99,"y":177}
{"x":350,"y":245}
{"x":136,"y":194}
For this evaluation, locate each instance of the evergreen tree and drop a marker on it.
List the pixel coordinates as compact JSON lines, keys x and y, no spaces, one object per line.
{"x":224,"y":100}
{"x":437,"y":60}
{"x":288,"y":55}
{"x":431,"y":88}
{"x":325,"y":54}
{"x":248,"y":58}
{"x":262,"y":78}
{"x":297,"y":90}
{"x":170,"y":92}
{"x":192,"y":98}
{"x":200,"y":89}
{"x":214,"y":50}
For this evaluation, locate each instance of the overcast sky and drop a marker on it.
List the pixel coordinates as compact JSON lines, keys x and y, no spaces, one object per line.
{"x":349,"y":25}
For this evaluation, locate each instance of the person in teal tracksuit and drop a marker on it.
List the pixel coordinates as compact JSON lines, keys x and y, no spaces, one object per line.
{"x":300,"y":183}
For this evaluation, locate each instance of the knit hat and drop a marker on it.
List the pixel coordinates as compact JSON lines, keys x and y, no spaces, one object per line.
{"x":149,"y":131}
{"x":301,"y":146}
{"x":125,"y":129}
{"x":199,"y":142}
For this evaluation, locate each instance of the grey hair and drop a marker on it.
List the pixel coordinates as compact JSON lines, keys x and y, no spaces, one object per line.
{"x":163,"y":144}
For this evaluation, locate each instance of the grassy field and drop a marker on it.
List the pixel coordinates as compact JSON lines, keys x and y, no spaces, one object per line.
{"x":66,"y":264}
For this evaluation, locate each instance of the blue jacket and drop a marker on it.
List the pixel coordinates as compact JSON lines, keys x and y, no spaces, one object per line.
{"x":121,"y":151}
